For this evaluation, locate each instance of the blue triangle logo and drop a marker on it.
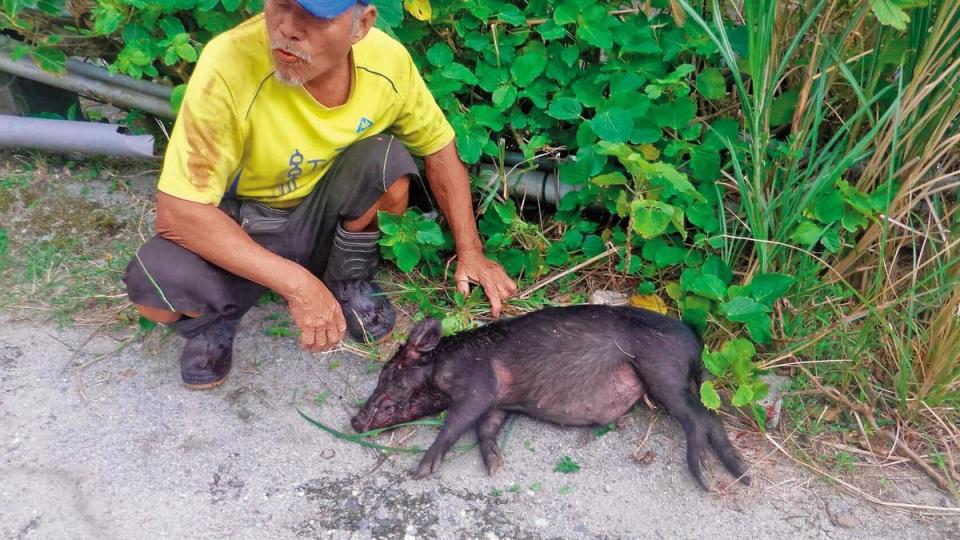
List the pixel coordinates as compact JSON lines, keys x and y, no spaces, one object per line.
{"x":364,"y":124}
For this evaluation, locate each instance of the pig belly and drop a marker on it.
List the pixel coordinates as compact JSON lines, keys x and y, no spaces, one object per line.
{"x":596,"y":400}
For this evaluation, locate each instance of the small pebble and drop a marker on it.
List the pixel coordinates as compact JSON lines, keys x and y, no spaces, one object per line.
{"x":846,"y":520}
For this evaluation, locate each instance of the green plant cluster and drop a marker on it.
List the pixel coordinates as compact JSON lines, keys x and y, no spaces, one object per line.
{"x":700,"y":154}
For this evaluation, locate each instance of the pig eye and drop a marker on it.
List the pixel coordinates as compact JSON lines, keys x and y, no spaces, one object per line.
{"x":388,"y":408}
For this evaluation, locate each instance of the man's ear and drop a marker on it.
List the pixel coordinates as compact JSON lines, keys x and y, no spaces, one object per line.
{"x":367,"y":19}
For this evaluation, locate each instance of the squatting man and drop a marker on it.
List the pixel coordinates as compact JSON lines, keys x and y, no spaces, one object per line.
{"x":297,"y":127}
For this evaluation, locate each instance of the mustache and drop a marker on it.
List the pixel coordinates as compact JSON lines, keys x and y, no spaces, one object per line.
{"x":290,"y":47}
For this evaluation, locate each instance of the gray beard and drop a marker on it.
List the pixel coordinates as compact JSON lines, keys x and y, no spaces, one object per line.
{"x":288,"y":79}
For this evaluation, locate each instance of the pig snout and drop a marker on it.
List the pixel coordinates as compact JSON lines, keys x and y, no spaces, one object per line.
{"x":361,"y":421}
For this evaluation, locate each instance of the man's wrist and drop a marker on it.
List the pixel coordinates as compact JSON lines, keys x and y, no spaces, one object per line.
{"x":470,"y":249}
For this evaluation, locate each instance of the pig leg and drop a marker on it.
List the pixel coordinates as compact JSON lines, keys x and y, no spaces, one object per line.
{"x":460,"y":416}
{"x":488,"y":427}
{"x":725,"y":451}
{"x":680,"y":406}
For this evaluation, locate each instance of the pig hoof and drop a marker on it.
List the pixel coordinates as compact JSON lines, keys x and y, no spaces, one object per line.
{"x":492,"y":468}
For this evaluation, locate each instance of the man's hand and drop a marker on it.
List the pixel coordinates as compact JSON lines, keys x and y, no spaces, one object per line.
{"x":474,"y":267}
{"x":317,"y":313}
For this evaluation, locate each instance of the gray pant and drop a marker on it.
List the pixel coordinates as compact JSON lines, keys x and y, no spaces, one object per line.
{"x":167,"y":276}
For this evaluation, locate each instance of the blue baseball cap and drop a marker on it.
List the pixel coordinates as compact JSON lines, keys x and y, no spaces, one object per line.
{"x":328,"y":9}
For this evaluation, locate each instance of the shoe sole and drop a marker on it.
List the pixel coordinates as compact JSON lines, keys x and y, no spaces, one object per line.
{"x":205,"y":386}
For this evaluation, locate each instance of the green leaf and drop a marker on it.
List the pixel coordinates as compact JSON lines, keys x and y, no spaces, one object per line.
{"x":566,"y":13}
{"x":566,"y":466}
{"x":172,"y":26}
{"x":615,"y":178}
{"x":783,"y":106}
{"x":187,"y":52}
{"x":597,"y":35}
{"x":459,"y":72}
{"x":176,"y":96}
{"x":408,"y":255}
{"x":829,"y":206}
{"x":650,"y":218}
{"x":564,"y":108}
{"x":557,"y":254}
{"x":439,"y":54}
{"x":593,"y":245}
{"x":527,"y":67}
{"x":230,"y":5}
{"x":759,"y":329}
{"x":760,"y":416}
{"x":107,"y":20}
{"x":614,"y":125}
{"x":675,"y":114}
{"x":512,"y":260}
{"x":715,"y":362}
{"x":709,"y":396}
{"x":50,"y":59}
{"x":831,"y":240}
{"x":737,"y":349}
{"x":743,"y":396}
{"x":708,"y":286}
{"x":146,"y":324}
{"x":705,"y":163}
{"x":743,"y":309}
{"x":718,"y":267}
{"x":428,"y":232}
{"x":890,"y":14}
{"x":551,"y":30}
{"x":488,"y":117}
{"x":766,"y":288}
{"x":504,"y":96}
{"x":710,"y":83}
{"x":807,"y":234}
{"x":4,"y":241}
{"x":853,"y":221}
{"x":470,"y":145}
{"x":570,"y":54}
{"x":512,"y":14}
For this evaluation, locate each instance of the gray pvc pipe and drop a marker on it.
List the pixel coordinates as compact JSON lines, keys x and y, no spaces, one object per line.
{"x":70,"y":136}
{"x":539,"y":185}
{"x":98,"y":73}
{"x":74,"y":82}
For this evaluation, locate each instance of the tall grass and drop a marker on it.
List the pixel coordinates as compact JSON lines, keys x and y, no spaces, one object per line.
{"x":885,"y":119}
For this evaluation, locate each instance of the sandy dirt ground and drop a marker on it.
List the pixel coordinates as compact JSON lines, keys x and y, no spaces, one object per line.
{"x":119,"y":449}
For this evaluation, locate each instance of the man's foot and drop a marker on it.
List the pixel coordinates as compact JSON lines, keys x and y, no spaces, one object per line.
{"x":206,"y":358}
{"x":369,"y":314}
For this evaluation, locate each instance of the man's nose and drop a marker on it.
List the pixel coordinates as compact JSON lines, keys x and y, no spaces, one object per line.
{"x":289,"y":28}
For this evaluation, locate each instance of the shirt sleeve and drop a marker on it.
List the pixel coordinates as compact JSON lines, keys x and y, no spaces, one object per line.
{"x":206,"y":146}
{"x":420,"y":125}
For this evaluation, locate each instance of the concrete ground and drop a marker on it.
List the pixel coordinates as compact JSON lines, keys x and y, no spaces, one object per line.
{"x":119,"y":449}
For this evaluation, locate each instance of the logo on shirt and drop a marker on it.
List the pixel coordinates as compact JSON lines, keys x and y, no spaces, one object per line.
{"x":296,"y":170}
{"x":364,"y":124}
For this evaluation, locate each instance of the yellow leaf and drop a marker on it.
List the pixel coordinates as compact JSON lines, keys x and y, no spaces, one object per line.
{"x":673,"y":290}
{"x":420,"y":9}
{"x":650,"y":152}
{"x":649,"y":301}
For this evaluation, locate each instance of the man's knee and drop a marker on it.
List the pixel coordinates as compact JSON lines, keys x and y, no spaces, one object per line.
{"x":158,"y":315}
{"x":395,"y":199}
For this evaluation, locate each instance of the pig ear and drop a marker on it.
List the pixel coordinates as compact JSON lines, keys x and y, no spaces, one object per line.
{"x":425,"y":336}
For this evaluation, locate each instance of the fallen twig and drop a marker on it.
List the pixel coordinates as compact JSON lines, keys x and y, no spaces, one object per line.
{"x":543,"y":283}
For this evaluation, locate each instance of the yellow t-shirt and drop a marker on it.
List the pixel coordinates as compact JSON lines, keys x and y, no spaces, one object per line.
{"x":241,"y":130}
